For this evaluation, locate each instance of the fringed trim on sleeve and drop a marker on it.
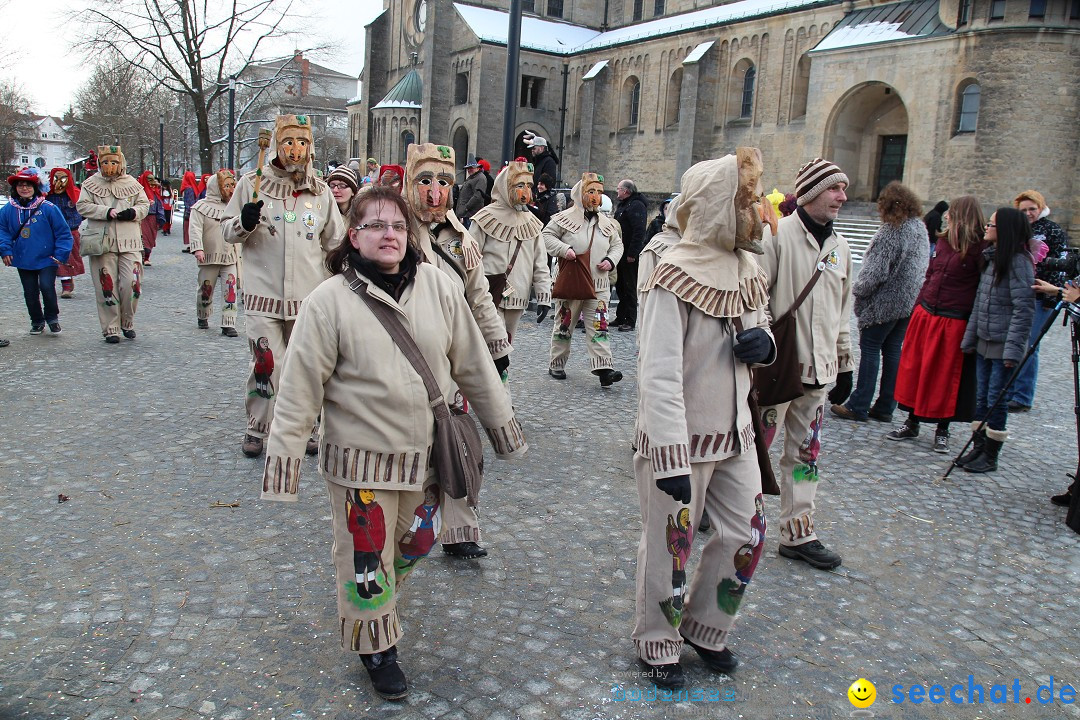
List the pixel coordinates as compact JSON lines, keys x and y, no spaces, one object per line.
{"x":751,"y":294}
{"x":499,"y":348}
{"x":281,"y":478}
{"x":508,"y":439}
{"x":669,"y":460}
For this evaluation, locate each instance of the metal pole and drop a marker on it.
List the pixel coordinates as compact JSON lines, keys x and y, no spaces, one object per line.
{"x":232,"y":121}
{"x":513,"y":72}
{"x":161,"y":146}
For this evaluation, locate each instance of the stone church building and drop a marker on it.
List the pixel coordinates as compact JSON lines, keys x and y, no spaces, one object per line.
{"x":949,"y":96}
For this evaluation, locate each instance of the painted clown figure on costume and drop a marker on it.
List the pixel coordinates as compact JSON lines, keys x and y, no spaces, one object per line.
{"x":449,"y":246}
{"x":217,"y":259}
{"x":113,"y":202}
{"x":514,"y":254}
{"x":582,"y":233}
{"x":703,"y":325}
{"x":285,"y":234}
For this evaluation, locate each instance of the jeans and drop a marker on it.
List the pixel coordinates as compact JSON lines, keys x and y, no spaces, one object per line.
{"x":991,"y":376}
{"x":884,"y":340}
{"x":1023,"y":390}
{"x":38,"y":286}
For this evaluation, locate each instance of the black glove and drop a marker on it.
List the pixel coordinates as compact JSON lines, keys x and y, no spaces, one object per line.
{"x":541,"y":313}
{"x":753,"y":346}
{"x":502,"y":363}
{"x":127,"y":214}
{"x":249,"y":215}
{"x":677,"y":487}
{"x":843,"y":388}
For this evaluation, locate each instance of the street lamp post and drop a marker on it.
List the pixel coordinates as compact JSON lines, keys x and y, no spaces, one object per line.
{"x":161,"y":145}
{"x":232,"y":120}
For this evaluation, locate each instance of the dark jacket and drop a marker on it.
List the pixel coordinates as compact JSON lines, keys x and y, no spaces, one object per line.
{"x":545,"y":162}
{"x":655,"y":226}
{"x":1002,"y":316}
{"x":471,"y":198}
{"x":932,"y":220}
{"x":892,"y":273}
{"x":1055,"y":238}
{"x":952,"y":280}
{"x":545,"y":205}
{"x":632,"y":215}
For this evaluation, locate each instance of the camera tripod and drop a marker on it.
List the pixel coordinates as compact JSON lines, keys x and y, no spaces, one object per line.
{"x":1073,"y":517}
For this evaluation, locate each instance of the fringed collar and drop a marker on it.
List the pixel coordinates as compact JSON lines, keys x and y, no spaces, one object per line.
{"x":209,"y":208}
{"x":121,"y":188}
{"x":505,"y":223}
{"x":276,"y":183}
{"x":573,"y":220}
{"x":750,"y":293}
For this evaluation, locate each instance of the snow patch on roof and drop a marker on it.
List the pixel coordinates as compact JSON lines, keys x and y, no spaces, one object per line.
{"x":867,"y":34}
{"x":698,"y":52}
{"x":536,"y":34}
{"x":595,"y":70}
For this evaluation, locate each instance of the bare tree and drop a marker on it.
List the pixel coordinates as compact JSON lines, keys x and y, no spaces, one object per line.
{"x":15,"y":121}
{"x":190,"y":47}
{"x":119,"y":104}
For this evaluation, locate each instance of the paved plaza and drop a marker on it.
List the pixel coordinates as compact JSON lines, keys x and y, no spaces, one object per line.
{"x":163,"y":589}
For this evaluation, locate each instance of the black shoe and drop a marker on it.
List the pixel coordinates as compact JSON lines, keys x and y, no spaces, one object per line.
{"x":112,"y":339}
{"x":941,"y":442}
{"x":879,"y":416}
{"x":608,"y":377}
{"x":1062,"y":500}
{"x":813,"y":554}
{"x":668,"y":676}
{"x":387,"y":679}
{"x":54,"y":327}
{"x":705,"y":525}
{"x":312,"y":447}
{"x":1015,"y":407}
{"x":557,"y":374}
{"x":723,"y":661}
{"x":580,"y":325}
{"x":37,"y":328}
{"x":468,"y":550}
{"x":204,"y":324}
{"x":626,"y":327}
{"x":907,"y":431}
{"x":252,"y":446}
{"x":129,"y":334}
{"x":231,"y":332}
{"x":4,"y":343}
{"x":978,"y":443}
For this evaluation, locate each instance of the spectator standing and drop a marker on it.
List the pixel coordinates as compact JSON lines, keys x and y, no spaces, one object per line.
{"x":655,"y":226}
{"x":114,"y":203}
{"x":936,"y":381}
{"x":189,"y":190}
{"x":471,"y":197}
{"x":64,"y":195}
{"x":167,"y":203}
{"x":544,"y":161}
{"x":372,"y":173}
{"x":632,"y":214}
{"x":1033,"y":205}
{"x":933,"y":221}
{"x":34,"y":239}
{"x":889,"y":281}
{"x":547,"y":199}
{"x":805,"y":243}
{"x":343,"y":186}
{"x":999,"y":328}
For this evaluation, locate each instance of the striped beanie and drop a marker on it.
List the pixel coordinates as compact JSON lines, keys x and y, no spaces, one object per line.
{"x":343,"y":174}
{"x":816,"y":177}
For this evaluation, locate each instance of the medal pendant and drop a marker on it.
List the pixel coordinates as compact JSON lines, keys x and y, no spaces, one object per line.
{"x":290,"y":216}
{"x":25,"y":233}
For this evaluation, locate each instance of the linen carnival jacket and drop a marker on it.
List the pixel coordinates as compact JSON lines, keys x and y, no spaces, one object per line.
{"x":205,"y":228}
{"x":100,"y":194}
{"x":377,"y":423}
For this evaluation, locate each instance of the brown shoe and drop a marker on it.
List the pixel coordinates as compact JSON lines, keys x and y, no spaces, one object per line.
{"x":252,"y":446}
{"x":312,"y":445}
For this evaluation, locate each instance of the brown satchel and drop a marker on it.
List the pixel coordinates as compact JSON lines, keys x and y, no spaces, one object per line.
{"x":574,"y":281}
{"x":457,"y":454}
{"x":761,"y":447}
{"x":781,"y":382}
{"x":497,"y":282}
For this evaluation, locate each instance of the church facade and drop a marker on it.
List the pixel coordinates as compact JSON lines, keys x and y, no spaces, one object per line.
{"x":949,"y":96}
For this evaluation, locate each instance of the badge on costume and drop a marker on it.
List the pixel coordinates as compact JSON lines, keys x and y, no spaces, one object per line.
{"x":290,"y":216}
{"x":308,"y":219}
{"x":25,"y":233}
{"x":455,"y":248}
{"x":832,"y":261}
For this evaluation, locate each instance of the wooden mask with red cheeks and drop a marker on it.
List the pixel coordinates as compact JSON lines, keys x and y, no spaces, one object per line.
{"x":226,"y":185}
{"x":292,"y":133}
{"x":751,"y":207}
{"x":592,"y":191}
{"x":429,"y":181}
{"x":519,"y":183}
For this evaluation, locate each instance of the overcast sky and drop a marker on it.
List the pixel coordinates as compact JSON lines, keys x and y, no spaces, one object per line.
{"x":38,"y":38}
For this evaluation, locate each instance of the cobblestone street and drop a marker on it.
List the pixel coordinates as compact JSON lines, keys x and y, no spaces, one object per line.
{"x":163,"y":589}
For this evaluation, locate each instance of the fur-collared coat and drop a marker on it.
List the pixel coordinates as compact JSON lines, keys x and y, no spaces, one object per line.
{"x":892,"y":273}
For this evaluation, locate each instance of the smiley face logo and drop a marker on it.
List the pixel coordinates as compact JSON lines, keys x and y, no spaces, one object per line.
{"x":862,"y":693}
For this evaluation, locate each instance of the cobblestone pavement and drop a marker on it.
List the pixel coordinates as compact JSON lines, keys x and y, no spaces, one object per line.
{"x":140,"y":598}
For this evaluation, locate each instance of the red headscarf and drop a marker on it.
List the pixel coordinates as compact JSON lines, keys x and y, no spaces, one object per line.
{"x":393,"y":168}
{"x":151,"y":193}
{"x":202,"y":183}
{"x":189,"y":181}
{"x":70,"y":189}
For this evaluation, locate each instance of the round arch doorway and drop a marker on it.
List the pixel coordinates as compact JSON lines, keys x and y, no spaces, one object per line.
{"x":460,"y":143}
{"x":866,"y":135}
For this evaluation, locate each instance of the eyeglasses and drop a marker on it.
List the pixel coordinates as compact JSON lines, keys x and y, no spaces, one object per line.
{"x":337,"y":186}
{"x":380,"y":227}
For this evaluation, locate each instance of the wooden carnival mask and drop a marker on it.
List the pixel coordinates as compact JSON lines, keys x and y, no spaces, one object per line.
{"x":592,"y":191}
{"x":751,"y":207}
{"x":429,"y":181}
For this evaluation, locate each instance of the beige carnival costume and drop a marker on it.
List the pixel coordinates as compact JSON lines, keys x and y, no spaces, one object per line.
{"x":113,"y":199}
{"x":219,"y":257}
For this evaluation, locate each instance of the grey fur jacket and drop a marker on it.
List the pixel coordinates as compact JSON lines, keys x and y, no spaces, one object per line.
{"x":892,"y":273}
{"x":1000,"y":322}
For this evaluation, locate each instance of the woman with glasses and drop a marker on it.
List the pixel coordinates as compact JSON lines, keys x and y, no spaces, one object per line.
{"x":998,"y":329}
{"x":936,"y":382}
{"x":343,"y":185}
{"x":377,"y":429}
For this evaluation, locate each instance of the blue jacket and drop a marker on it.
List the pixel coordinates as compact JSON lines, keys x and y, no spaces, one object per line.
{"x":49,"y":236}
{"x":67,"y":209}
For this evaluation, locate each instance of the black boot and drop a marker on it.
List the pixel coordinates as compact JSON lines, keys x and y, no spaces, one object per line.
{"x":987,"y":462}
{"x":723,"y":661}
{"x":705,"y":525}
{"x":608,"y":377}
{"x":469,"y":550}
{"x":976,"y":448}
{"x":668,"y":676}
{"x":387,"y":679}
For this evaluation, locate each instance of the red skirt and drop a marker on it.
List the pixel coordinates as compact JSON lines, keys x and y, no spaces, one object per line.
{"x":74,"y":266}
{"x":936,"y":381}
{"x":149,"y":232}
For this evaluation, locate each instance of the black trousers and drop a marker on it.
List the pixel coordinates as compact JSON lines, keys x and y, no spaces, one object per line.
{"x":40,"y":286}
{"x":626,"y":289}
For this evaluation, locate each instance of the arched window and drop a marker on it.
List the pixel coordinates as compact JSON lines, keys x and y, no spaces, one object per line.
{"x":407,"y":139}
{"x":747,"y":108}
{"x":674,"y":95}
{"x":801,"y":90}
{"x":631,"y":101}
{"x":967,"y":102}
{"x":461,"y":88}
